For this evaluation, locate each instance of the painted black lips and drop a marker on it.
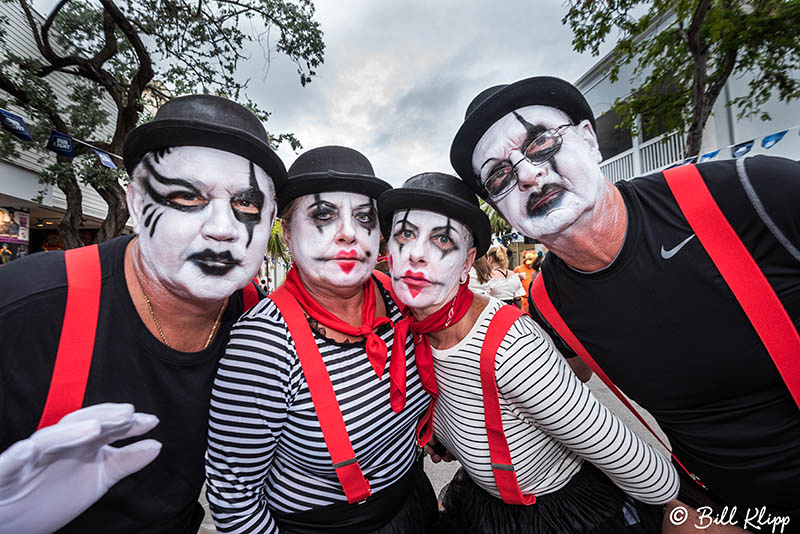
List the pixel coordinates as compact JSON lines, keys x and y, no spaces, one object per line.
{"x":543,"y":201}
{"x":214,"y":263}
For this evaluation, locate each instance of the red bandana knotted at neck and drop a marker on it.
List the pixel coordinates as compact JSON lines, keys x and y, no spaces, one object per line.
{"x":439,"y":320}
{"x":376,"y":347}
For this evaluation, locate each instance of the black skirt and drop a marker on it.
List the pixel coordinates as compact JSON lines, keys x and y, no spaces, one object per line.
{"x":589,"y":503}
{"x":409,"y":506}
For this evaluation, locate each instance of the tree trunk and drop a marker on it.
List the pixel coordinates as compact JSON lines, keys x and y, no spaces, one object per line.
{"x":69,"y":225}
{"x":117,"y":216}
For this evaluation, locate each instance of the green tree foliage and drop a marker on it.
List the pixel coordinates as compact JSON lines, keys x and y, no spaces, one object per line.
{"x":497,"y":222}
{"x":138,"y":54}
{"x":685,"y":51}
{"x":276,"y":246}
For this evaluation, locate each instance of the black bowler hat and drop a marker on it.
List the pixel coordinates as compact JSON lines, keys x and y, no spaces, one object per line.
{"x":496,"y":102}
{"x":331,"y":168}
{"x":439,"y":193}
{"x":207,"y":121}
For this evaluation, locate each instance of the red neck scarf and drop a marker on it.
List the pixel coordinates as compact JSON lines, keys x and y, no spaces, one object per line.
{"x":376,"y":347}
{"x":439,"y":320}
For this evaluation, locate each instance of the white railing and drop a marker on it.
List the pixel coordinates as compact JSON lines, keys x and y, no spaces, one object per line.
{"x":661,"y":151}
{"x":620,"y":167}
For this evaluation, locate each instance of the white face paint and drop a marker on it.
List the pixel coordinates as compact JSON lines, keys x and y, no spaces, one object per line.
{"x":428,"y":256}
{"x":550,"y":197}
{"x":333,"y":238}
{"x":203,"y":217}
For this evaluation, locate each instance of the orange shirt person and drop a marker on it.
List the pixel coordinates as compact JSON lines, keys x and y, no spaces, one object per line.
{"x":527,"y":271}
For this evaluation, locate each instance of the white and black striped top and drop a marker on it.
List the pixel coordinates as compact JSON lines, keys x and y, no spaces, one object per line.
{"x":265,"y":446}
{"x":551,"y":420}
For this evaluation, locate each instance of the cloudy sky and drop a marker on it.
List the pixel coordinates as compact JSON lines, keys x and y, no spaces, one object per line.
{"x":398,"y":76}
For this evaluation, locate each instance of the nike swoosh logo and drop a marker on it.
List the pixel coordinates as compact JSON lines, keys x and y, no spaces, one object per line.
{"x":667,"y":254}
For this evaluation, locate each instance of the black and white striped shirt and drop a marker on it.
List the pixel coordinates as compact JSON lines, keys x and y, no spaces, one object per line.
{"x":551,"y":420}
{"x":265,"y":447}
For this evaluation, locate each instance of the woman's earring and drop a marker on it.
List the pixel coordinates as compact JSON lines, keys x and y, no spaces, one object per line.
{"x":463,"y":278}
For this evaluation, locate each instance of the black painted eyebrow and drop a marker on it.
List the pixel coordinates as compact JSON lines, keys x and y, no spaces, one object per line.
{"x":324,"y":204}
{"x":407,"y":225}
{"x":251,"y":194}
{"x":163,"y":180}
{"x":533,"y":131}
{"x":444,"y":229}
{"x":365,"y":205}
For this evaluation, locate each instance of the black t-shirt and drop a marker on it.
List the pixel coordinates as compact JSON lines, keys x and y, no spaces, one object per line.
{"x":128,"y":365}
{"x":662,"y":323}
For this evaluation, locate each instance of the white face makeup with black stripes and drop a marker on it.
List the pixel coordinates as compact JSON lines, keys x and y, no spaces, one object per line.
{"x":334,"y":238}
{"x":203,"y":218}
{"x":428,"y":255}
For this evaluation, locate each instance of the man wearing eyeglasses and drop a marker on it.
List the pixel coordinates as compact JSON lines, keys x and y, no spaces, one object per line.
{"x":637,"y":288}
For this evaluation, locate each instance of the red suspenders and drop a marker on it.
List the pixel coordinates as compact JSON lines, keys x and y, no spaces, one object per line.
{"x":250,"y":295}
{"x":75,"y":347}
{"x":737,"y":267}
{"x":740,"y":271}
{"x":355,"y":486}
{"x":500,"y":456}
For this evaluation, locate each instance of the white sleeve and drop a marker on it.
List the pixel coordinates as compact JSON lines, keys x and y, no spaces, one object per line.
{"x":537,"y":383}
{"x":474,"y":284}
{"x":249,"y":405}
{"x":519,"y":291}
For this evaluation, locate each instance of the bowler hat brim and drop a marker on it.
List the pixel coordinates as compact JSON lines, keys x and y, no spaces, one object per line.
{"x":409,"y":198}
{"x":165,"y":133}
{"x":322,"y":182}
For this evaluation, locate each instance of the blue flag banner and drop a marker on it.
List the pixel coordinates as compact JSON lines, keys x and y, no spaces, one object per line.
{"x":689,"y":160}
{"x":14,"y":124}
{"x":61,"y":143}
{"x":708,"y":156}
{"x":104,"y":158}
{"x":742,"y":149}
{"x":772,"y":140}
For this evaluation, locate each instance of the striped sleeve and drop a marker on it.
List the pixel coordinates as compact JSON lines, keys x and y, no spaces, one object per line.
{"x":249,"y":406}
{"x":538,"y":386}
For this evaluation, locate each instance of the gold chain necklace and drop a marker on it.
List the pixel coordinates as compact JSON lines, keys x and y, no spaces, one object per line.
{"x":161,"y":332}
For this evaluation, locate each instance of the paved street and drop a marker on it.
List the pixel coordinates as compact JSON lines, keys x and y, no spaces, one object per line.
{"x":441,"y":473}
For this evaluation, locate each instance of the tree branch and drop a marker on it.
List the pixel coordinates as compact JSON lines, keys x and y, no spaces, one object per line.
{"x":22,"y":96}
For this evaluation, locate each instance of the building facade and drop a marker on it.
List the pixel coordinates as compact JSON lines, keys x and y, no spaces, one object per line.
{"x":39,"y":205}
{"x":626,"y":156}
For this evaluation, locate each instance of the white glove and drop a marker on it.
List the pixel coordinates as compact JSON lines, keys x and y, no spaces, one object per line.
{"x":47,"y":480}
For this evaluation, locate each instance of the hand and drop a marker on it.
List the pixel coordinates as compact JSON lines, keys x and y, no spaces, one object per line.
{"x":50,"y":478}
{"x":437,"y":451}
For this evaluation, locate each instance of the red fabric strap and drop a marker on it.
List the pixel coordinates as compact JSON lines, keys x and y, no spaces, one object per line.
{"x":76,"y":345}
{"x":442,"y":318}
{"x":545,"y":306}
{"x":376,"y":347}
{"x":355,"y":486}
{"x":504,"y":474}
{"x":250,"y":296}
{"x":740,"y":271}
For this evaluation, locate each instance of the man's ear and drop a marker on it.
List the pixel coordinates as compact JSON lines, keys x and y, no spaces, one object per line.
{"x":135,"y":200}
{"x":590,"y":138}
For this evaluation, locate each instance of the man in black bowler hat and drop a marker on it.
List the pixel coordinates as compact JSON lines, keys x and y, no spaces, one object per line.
{"x":642,"y":276}
{"x":103,"y":344}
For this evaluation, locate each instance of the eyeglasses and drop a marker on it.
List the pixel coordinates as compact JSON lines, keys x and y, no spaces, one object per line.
{"x":539,"y":151}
